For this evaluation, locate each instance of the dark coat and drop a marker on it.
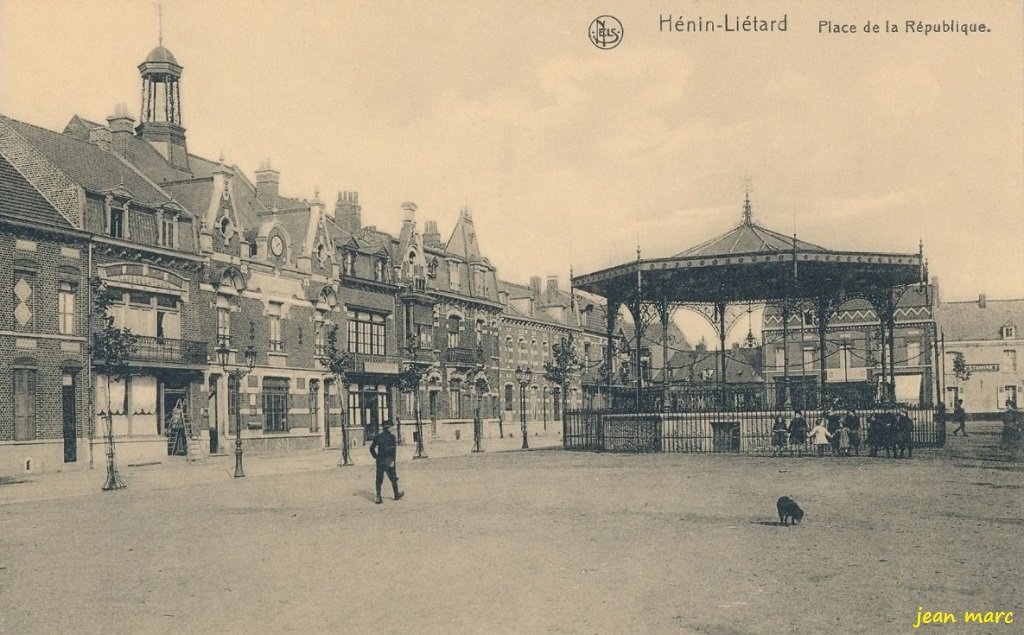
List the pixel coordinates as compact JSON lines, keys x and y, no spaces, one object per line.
{"x":384,"y":447}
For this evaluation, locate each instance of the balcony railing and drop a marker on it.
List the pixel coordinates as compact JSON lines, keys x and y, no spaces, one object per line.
{"x":463,"y":355}
{"x":165,"y":349}
{"x":376,"y":364}
{"x":421,"y":355}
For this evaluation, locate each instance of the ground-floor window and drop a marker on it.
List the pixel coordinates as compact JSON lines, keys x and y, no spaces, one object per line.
{"x":24,"y":404}
{"x":275,"y":404}
{"x":314,"y":406}
{"x":509,"y":397}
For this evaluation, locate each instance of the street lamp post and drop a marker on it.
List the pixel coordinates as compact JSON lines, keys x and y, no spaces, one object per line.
{"x":236,"y":375}
{"x":523,"y":376}
{"x":479,"y":388}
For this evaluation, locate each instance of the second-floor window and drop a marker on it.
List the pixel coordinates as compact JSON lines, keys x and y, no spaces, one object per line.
{"x":224,"y":326}
{"x":274,"y":317}
{"x":378,"y":269}
{"x":320,"y":338}
{"x":913,"y":353}
{"x":348,"y":264}
{"x":1009,"y":332}
{"x":366,"y":333}
{"x":66,"y":308}
{"x":1009,"y":361}
{"x":453,"y":331}
{"x":425,"y":335}
{"x":454,"y":282}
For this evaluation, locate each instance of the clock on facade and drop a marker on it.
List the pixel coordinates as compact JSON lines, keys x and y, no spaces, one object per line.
{"x":276,"y":245}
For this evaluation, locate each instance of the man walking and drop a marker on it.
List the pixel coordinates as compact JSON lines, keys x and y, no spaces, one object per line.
{"x":383,"y":451}
{"x":960,"y":417}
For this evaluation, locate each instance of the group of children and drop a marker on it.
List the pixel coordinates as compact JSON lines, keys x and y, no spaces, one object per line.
{"x":840,"y":435}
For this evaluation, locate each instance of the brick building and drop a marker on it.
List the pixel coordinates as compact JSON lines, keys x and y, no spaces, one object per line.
{"x":201,"y":258}
{"x":853,"y":357}
{"x":43,"y":299}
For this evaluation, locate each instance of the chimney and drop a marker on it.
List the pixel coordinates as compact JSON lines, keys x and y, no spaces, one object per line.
{"x":122,"y":129}
{"x":347,"y":212}
{"x":408,"y":212}
{"x":535,"y":284}
{"x":552,"y":285}
{"x":981,"y":301}
{"x":267,"y":181}
{"x":431,"y":237}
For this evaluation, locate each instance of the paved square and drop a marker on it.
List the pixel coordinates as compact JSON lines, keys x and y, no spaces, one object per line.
{"x":538,"y":542}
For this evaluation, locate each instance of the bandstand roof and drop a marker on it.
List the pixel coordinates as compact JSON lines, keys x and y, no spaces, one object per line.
{"x":751,"y":263}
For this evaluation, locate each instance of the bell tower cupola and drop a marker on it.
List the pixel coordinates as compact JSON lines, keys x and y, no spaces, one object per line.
{"x":160,"y":120}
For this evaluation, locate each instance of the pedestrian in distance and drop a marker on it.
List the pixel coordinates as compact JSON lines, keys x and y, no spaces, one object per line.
{"x":797,"y":433}
{"x":383,"y":449}
{"x":960,"y":417}
{"x":820,"y":436}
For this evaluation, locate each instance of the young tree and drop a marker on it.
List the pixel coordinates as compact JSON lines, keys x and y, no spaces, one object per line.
{"x":109,"y":350}
{"x":338,"y":362}
{"x":563,"y":365}
{"x":409,"y":382}
{"x":961,"y":371}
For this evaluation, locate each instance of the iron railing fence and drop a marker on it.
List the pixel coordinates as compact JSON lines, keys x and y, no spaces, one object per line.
{"x":741,"y":397}
{"x":740,"y":431}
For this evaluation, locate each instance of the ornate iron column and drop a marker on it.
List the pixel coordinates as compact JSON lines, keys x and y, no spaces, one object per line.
{"x":824,"y":307}
{"x":720,"y":314}
{"x":664,"y":313}
{"x":609,"y":353}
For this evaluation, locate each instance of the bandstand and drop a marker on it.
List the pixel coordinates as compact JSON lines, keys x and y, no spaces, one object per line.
{"x":802,"y":285}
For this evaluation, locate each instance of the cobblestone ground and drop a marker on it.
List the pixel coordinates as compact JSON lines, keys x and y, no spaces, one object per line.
{"x":509,"y":542}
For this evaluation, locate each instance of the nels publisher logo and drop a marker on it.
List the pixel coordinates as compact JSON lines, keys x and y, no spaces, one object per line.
{"x":605,"y":32}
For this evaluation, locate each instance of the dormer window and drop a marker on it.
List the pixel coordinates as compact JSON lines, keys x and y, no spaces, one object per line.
{"x":378,"y":269}
{"x":1008,"y":332}
{"x":115,"y":222}
{"x":166,"y":227}
{"x":348,"y":264}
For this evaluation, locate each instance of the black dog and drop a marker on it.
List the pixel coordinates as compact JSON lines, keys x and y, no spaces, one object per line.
{"x":789,"y":510}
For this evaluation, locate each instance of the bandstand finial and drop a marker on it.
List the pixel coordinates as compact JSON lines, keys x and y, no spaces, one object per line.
{"x":747,"y":212}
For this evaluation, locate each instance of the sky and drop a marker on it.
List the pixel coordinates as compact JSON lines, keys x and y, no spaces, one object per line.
{"x":569,"y":155}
